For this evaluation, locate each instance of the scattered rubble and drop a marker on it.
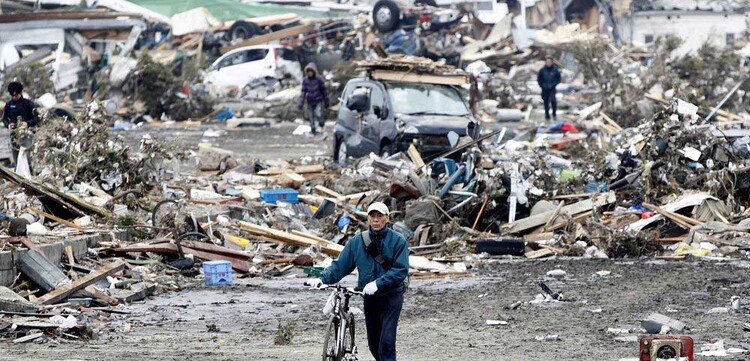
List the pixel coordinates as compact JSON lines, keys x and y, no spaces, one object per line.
{"x":648,"y":159}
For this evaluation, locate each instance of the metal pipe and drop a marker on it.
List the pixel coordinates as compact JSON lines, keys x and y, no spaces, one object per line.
{"x":726,"y":97}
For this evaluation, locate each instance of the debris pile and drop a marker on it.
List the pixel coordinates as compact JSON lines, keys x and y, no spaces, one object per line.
{"x":647,"y":159}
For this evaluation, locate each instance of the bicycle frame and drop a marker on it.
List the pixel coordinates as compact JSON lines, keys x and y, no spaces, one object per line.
{"x":340,"y":315}
{"x":343,"y":324}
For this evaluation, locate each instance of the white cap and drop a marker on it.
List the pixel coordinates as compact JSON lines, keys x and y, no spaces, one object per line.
{"x":379,"y":207}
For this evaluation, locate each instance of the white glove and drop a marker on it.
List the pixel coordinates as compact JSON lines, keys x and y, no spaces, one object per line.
{"x":370,"y":288}
{"x":316,"y":283}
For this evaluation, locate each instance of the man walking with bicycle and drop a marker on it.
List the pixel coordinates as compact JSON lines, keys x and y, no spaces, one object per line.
{"x":381,"y":256}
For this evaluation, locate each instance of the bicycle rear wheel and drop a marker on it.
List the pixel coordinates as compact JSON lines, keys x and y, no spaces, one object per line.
{"x":330,"y":351}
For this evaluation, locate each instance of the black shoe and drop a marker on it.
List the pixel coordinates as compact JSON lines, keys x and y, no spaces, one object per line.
{"x":546,"y":117}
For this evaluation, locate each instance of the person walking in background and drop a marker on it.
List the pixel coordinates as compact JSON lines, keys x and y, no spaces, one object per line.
{"x":315,"y":95}
{"x":548,"y":78}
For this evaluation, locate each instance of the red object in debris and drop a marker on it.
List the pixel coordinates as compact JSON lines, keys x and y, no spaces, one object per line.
{"x":647,"y":215}
{"x":567,"y":127}
{"x":654,"y":348}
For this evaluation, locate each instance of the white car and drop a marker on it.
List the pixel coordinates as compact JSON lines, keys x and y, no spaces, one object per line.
{"x":241,"y":66}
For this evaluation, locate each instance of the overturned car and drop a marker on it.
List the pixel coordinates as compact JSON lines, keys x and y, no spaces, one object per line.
{"x":391,"y":108}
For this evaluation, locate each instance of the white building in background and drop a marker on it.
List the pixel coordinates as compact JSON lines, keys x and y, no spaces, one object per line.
{"x":723,"y":23}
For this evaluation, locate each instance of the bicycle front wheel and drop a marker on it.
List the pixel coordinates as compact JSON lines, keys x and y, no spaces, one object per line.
{"x":330,"y":350}
{"x":349,"y":334}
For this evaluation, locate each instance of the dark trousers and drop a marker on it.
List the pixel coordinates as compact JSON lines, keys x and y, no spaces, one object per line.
{"x":315,"y":116}
{"x":548,"y":95}
{"x":381,"y":319}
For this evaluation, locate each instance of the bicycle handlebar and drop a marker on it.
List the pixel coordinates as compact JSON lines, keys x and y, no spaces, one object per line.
{"x":352,"y":290}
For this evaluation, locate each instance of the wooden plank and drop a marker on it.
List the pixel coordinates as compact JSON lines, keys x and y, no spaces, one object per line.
{"x":554,"y":214}
{"x":682,"y":218}
{"x":577,"y":218}
{"x":202,"y":251}
{"x":294,"y":177}
{"x":31,"y":337}
{"x":277,"y":261}
{"x":328,"y":192}
{"x":415,"y":156}
{"x":573,"y":209}
{"x":266,"y":38}
{"x":212,"y":248}
{"x":405,"y":77}
{"x":329,"y":248}
{"x":611,"y":122}
{"x":301,"y":169}
{"x":311,"y":236}
{"x":55,"y":218}
{"x":539,"y":237}
{"x":69,"y":254}
{"x":68,"y":289}
{"x":544,"y":252}
{"x":96,"y":293}
{"x":312,"y":168}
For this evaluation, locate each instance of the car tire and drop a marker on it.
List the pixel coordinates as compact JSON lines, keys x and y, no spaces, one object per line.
{"x":432,"y":3}
{"x":243,"y":30}
{"x":387,"y":149}
{"x":386,"y":16}
{"x":340,"y":151}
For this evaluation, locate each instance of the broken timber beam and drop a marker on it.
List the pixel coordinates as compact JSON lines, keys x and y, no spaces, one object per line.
{"x":329,"y":248}
{"x":55,"y":218}
{"x":66,"y":290}
{"x":265,"y":38}
{"x":573,"y":209}
{"x":328,"y":192}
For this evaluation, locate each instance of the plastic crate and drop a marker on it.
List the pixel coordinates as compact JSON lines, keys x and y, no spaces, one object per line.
{"x":287,"y":195}
{"x":217,"y":273}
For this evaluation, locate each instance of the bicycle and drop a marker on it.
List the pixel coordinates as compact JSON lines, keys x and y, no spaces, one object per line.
{"x":339,"y":342}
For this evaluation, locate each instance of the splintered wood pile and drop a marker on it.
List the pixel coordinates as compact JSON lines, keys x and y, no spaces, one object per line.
{"x":409,"y":64}
{"x":413,"y":69}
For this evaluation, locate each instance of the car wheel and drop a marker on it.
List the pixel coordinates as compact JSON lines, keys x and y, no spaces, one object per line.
{"x":387,"y":149}
{"x":243,"y":30}
{"x":432,"y":3}
{"x":386,"y":16}
{"x":341,"y":151}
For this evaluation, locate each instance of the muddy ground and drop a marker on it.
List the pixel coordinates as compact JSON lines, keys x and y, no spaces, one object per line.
{"x":270,"y":142}
{"x":442,"y":319}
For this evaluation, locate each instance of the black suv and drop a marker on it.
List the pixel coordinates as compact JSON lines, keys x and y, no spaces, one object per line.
{"x":384,"y":117}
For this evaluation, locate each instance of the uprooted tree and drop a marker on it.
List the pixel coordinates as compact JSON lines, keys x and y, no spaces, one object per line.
{"x":702,"y":78}
{"x":81,"y":150}
{"x":160,"y":90}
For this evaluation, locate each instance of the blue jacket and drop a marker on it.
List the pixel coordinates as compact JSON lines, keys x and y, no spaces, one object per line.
{"x":314,"y":89}
{"x":548,"y":77}
{"x":391,"y":245}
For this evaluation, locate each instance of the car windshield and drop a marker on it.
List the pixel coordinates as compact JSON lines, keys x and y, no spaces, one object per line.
{"x":426,"y":99}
